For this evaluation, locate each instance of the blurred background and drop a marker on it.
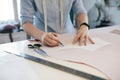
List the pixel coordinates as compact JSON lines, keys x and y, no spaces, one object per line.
{"x":101,"y":13}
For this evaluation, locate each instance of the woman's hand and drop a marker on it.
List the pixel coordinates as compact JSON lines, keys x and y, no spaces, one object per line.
{"x":51,"y":39}
{"x":82,"y":36}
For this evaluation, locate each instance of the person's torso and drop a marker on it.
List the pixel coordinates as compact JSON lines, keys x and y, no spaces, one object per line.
{"x":54,"y":15}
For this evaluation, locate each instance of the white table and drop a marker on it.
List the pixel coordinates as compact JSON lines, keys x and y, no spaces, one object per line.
{"x":16,"y":68}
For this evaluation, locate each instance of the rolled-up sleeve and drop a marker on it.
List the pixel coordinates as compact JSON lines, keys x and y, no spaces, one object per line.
{"x":26,"y":11}
{"x":78,"y":7}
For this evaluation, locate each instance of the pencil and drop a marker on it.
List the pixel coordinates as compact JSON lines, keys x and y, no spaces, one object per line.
{"x":61,"y":43}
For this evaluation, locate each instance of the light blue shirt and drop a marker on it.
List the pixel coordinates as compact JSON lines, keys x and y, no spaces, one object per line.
{"x":32,"y":11}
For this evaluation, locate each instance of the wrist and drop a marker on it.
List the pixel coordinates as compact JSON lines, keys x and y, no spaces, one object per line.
{"x":42,"y":37}
{"x":85,"y":25}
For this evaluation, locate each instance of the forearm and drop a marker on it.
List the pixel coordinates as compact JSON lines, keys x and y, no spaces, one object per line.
{"x":82,"y":18}
{"x":31,"y":30}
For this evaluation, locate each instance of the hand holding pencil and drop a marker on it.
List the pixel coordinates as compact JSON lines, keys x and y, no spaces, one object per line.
{"x":51,"y":39}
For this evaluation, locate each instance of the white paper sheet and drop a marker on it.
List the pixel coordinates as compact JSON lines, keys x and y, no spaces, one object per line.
{"x":99,"y":43}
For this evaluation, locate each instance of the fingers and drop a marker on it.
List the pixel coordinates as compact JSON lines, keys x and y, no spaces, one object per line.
{"x":86,"y":40}
{"x":90,"y":39}
{"x":54,"y":36}
{"x":81,"y":42}
{"x":75,"y":39}
{"x":80,"y":35}
{"x":51,"y":39}
{"x":83,"y":39}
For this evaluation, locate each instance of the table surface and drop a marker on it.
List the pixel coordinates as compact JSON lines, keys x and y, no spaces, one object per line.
{"x":16,"y":68}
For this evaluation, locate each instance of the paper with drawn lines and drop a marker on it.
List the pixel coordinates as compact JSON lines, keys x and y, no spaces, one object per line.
{"x":67,"y":41}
